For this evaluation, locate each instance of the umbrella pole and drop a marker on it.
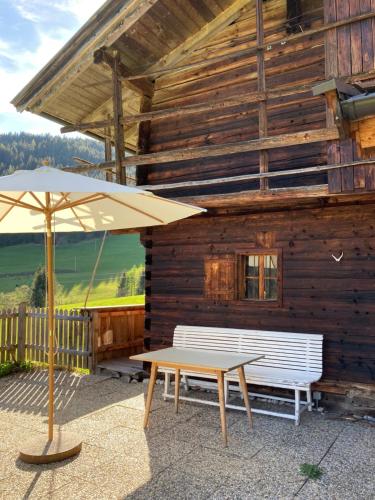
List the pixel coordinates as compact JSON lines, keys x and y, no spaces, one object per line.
{"x":65,"y":444}
{"x":50,"y":309}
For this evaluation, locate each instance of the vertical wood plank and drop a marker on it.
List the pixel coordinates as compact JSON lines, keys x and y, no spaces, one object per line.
{"x":33,"y":336}
{"x":144,"y":130}
{"x":1,"y":335}
{"x":367,"y":37}
{"x":118,"y":123}
{"x":262,"y":110}
{"x":330,"y":16}
{"x":333,"y":152}
{"x":38,"y":321}
{"x":89,"y":342}
{"x":345,"y":68}
{"x":3,"y":339}
{"x":44,"y":335}
{"x":356,"y":37}
{"x":21,"y":336}
{"x":60,"y":358}
{"x":108,"y":151}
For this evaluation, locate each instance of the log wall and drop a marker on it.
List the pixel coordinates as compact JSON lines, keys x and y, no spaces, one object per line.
{"x":350,"y":51}
{"x":320,"y":295}
{"x":287,"y":65}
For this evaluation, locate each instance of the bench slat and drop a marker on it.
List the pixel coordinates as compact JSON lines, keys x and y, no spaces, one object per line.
{"x":238,"y":332}
{"x":283,"y":351}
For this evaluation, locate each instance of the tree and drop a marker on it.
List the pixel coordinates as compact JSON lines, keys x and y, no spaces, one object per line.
{"x":38,"y":288}
{"x":132,"y":282}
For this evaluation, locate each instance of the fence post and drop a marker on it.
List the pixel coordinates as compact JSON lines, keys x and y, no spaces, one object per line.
{"x":93,"y":339}
{"x":21,"y":340}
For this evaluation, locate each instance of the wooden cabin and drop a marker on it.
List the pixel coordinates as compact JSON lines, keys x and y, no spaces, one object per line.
{"x":263,"y":112}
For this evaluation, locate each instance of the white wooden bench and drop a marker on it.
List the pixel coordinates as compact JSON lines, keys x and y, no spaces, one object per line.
{"x":291,"y":361}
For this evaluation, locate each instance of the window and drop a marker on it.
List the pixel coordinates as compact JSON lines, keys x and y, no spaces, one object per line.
{"x":254,"y":275}
{"x":259,"y":276}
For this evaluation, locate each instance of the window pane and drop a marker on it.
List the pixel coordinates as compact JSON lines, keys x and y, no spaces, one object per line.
{"x":252,"y":289}
{"x":270,"y":277}
{"x":252,"y":266}
{"x":270,"y":266}
{"x":270,"y":289}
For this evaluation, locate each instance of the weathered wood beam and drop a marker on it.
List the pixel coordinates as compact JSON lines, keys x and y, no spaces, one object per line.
{"x":82,"y":161}
{"x":108,"y":154}
{"x":277,"y":141}
{"x":247,"y":198}
{"x":103,"y":56}
{"x":253,"y":50}
{"x":254,"y":177}
{"x":144,"y":130}
{"x":105,"y":165}
{"x":276,"y":197}
{"x":87,"y":126}
{"x":230,"y":14}
{"x":215,"y":104}
{"x":118,"y":114}
{"x":191,"y":109}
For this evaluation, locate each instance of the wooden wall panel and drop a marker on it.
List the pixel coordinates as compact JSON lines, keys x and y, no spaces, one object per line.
{"x":320,"y":295}
{"x":300,"y":62}
{"x":350,"y":51}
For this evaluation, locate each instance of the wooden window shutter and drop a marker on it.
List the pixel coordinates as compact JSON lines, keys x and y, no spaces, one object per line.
{"x":220,"y":277}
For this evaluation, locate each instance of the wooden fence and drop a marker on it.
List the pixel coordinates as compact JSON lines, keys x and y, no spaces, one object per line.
{"x":8,"y":335}
{"x":82,"y":338}
{"x":24,"y":337}
{"x":117,"y":331}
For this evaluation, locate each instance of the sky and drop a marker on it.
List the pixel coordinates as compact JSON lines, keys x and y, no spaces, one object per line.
{"x":31,"y":32}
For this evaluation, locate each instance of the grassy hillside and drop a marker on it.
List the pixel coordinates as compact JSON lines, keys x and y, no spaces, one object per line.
{"x":21,"y":255}
{"x":74,"y":265}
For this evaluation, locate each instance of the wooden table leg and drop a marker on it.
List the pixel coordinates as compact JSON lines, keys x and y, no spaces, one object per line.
{"x":220,"y":383}
{"x":241,"y":374}
{"x":150,"y":392}
{"x":177,"y":380}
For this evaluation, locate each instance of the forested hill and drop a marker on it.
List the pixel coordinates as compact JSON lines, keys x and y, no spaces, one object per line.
{"x":27,"y":151}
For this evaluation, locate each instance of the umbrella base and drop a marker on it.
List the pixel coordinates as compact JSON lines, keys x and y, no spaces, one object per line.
{"x":41,"y":451}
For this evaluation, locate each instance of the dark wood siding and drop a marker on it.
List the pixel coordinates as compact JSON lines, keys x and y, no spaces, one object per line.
{"x":320,"y":295}
{"x":287,"y":65}
{"x":350,"y":51}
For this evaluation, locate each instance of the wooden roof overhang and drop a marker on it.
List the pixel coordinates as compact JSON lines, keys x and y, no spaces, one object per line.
{"x":148,"y":34}
{"x":146,"y":39}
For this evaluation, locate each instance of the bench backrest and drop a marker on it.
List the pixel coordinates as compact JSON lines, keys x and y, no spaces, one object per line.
{"x":282,"y":350}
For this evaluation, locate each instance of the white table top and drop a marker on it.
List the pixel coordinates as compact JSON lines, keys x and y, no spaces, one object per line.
{"x":194,"y":358}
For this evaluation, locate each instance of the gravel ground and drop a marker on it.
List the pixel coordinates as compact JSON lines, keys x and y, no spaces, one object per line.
{"x":180,"y":456}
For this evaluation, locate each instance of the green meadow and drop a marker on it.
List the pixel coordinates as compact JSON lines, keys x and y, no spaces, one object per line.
{"x":74,"y":263}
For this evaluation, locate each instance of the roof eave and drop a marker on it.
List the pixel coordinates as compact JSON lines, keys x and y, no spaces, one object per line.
{"x":89,"y":30}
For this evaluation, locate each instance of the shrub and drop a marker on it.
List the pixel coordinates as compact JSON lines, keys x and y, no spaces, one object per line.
{"x":311,"y":471}
{"x":9,"y":367}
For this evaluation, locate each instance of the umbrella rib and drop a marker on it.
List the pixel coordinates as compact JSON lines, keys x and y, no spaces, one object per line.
{"x":37,"y":200}
{"x":11,"y":208}
{"x":65,"y":197}
{"x":87,"y":199}
{"x":135,"y":209}
{"x":16,"y":203}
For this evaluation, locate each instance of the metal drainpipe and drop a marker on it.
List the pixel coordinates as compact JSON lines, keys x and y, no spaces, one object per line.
{"x":358,"y":107}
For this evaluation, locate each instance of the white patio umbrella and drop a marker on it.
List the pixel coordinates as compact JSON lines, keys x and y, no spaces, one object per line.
{"x":50,"y":200}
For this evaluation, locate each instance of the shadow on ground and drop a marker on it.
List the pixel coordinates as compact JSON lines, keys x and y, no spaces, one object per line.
{"x":180,"y":456}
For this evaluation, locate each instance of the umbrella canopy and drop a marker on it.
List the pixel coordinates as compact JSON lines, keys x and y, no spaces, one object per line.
{"x":80,"y":203}
{"x":50,"y":200}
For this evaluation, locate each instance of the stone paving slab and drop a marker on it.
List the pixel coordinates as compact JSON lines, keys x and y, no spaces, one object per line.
{"x":180,"y":456}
